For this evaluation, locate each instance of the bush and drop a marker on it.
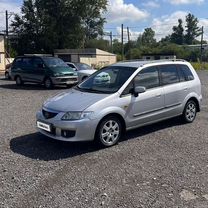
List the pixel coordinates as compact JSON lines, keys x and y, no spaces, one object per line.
{"x":199,"y":66}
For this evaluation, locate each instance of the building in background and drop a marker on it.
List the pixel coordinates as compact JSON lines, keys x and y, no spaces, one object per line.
{"x":158,"y":56}
{"x":93,"y":57}
{"x":2,"y":54}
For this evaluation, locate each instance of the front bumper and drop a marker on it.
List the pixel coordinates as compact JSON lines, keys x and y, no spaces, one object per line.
{"x":71,"y":131}
{"x":68,"y":80}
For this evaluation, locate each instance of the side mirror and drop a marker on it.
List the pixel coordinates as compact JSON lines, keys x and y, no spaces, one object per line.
{"x":138,"y":90}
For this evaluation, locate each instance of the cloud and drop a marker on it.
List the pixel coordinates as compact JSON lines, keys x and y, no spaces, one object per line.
{"x":163,"y":25}
{"x":178,"y":2}
{"x":133,"y":34}
{"x":11,"y":6}
{"x":151,"y":4}
{"x":119,"y":12}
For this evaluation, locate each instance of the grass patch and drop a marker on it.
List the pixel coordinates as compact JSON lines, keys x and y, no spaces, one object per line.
{"x":199,"y":66}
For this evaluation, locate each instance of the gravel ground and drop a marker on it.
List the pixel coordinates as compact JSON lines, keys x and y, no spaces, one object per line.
{"x":162,"y":165}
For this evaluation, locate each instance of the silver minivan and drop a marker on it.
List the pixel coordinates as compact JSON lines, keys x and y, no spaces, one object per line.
{"x":120,"y":97}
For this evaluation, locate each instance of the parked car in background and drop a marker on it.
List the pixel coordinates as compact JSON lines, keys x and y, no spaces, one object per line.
{"x":8,"y":71}
{"x":131,"y":95}
{"x":83,"y":70}
{"x":49,"y":71}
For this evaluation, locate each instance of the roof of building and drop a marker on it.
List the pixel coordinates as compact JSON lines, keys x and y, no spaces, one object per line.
{"x":88,"y":51}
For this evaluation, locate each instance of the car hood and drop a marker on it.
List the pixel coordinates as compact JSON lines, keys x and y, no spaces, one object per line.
{"x":88,"y":71}
{"x":63,"y":71}
{"x":73,"y":100}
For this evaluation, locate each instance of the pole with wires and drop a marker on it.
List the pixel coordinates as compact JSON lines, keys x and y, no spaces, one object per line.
{"x":122,"y":41}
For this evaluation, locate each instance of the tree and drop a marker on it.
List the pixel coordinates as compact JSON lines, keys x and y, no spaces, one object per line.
{"x":148,"y":37}
{"x":177,"y":36}
{"x":192,"y":29}
{"x":52,"y":24}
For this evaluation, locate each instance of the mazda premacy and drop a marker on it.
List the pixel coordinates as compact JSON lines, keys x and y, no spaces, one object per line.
{"x":130,"y":95}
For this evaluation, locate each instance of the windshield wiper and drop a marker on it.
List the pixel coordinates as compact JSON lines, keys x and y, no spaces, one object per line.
{"x":93,"y":90}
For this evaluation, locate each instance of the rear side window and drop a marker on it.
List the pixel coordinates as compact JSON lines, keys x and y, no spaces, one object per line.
{"x":187,"y":72}
{"x":148,"y":78}
{"x":169,"y":74}
{"x":17,"y":63}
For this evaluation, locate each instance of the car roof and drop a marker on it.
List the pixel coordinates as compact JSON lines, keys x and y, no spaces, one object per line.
{"x":140,"y":63}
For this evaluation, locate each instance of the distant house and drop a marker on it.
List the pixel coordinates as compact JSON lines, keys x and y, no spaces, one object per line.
{"x":157,"y":56}
{"x":2,"y":54}
{"x":94,"y":57}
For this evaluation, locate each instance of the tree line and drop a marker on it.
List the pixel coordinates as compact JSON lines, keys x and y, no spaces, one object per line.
{"x":44,"y":26}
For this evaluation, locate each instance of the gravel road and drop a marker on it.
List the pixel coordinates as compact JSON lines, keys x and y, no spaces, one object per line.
{"x":162,"y":166}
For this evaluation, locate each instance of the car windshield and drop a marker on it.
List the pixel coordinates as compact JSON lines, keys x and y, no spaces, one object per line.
{"x":54,"y":62}
{"x":108,"y":80}
{"x":81,"y":66}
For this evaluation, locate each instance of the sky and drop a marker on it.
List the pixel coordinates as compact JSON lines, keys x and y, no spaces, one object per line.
{"x":160,"y":15}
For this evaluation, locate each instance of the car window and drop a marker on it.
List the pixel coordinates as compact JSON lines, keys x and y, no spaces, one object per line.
{"x":72,"y":66}
{"x":107,"y":80}
{"x":169,"y":74}
{"x":181,"y":75}
{"x":17,"y":63}
{"x":37,"y":62}
{"x":148,"y":78}
{"x":26,"y":63}
{"x":187,"y":72}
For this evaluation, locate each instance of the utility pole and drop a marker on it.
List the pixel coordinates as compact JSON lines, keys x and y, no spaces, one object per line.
{"x":202,"y":37}
{"x":122,"y":41}
{"x":111,"y":41}
{"x":128,"y":34}
{"x":7,"y":34}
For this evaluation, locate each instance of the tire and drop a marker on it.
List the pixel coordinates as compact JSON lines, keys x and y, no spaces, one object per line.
{"x":108,"y":132}
{"x":19,"y":81}
{"x":48,"y":83}
{"x":7,"y":76}
{"x":190,"y":111}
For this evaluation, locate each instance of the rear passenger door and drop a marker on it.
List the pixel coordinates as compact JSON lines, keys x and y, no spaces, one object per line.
{"x":174,"y":88}
{"x":27,"y":68}
{"x":39,"y":70}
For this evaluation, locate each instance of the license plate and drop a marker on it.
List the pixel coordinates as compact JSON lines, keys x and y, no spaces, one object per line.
{"x":44,"y":126}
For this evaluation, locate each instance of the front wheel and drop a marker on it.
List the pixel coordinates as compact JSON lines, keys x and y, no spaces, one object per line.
{"x":48,"y":83}
{"x":109,"y":131}
{"x":190,"y":112}
{"x":7,"y":76}
{"x":19,"y":81}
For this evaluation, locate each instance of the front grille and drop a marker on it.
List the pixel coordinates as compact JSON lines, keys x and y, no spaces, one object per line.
{"x":48,"y":114}
{"x":68,"y":79}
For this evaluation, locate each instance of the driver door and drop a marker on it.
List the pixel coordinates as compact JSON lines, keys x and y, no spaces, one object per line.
{"x":148,"y":106}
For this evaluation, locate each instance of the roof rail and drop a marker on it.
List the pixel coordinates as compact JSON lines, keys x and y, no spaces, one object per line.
{"x":154,"y":61}
{"x":38,"y":55}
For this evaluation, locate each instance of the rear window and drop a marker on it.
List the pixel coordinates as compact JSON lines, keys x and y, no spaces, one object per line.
{"x":169,"y":74}
{"x":187,"y":72}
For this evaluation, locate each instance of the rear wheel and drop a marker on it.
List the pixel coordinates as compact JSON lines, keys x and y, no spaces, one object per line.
{"x":190,"y":112}
{"x":19,"y":81}
{"x":48,"y":83}
{"x":7,"y":75}
{"x":109,"y":131}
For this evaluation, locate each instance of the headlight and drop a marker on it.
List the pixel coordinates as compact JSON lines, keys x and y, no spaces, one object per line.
{"x":73,"y":116}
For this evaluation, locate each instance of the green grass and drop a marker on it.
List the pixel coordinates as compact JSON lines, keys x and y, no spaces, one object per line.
{"x":199,"y":66}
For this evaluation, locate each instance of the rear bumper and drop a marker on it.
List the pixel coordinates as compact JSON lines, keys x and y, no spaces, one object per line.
{"x":68,"y":80}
